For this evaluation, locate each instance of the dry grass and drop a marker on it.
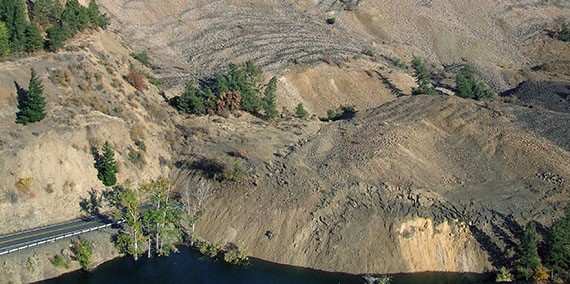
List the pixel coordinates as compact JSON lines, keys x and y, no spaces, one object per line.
{"x":62,"y":77}
{"x":137,"y":132}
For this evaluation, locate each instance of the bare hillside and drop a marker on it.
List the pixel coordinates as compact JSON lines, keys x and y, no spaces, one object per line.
{"x":417,"y":184}
{"x":196,"y":38}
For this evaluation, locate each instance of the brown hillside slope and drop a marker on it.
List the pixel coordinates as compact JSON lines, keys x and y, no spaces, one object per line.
{"x":196,"y":38}
{"x":420,"y":183}
{"x":88,"y":102}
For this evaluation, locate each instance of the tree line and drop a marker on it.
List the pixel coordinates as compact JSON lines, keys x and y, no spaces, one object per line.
{"x":22,"y":24}
{"x":467,"y":84}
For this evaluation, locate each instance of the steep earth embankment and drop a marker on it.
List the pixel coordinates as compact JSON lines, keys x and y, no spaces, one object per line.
{"x":420,"y":183}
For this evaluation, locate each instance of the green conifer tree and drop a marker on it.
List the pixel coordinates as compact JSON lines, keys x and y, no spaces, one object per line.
{"x":34,"y":40}
{"x":300,"y":111}
{"x":47,"y":12}
{"x":13,"y":14}
{"x":107,"y":166}
{"x":270,"y":100}
{"x":559,"y":243}
{"x":56,"y":36}
{"x":469,"y":86}
{"x":95,"y":17}
{"x":33,"y":104}
{"x":4,"y":40}
{"x":423,"y":78}
{"x":529,"y":260}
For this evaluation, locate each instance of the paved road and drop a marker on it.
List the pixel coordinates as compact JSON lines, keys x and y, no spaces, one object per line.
{"x":21,"y":240}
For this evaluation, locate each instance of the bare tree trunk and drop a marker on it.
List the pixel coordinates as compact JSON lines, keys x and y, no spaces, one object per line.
{"x":192,"y":233}
{"x":135,"y":254}
{"x":157,"y":230}
{"x":148,"y":253}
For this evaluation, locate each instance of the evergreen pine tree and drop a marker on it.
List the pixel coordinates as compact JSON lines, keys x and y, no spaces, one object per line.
{"x":47,"y":12}
{"x":95,"y":17}
{"x":469,"y":86}
{"x":34,"y":40}
{"x":56,"y":36}
{"x":270,"y":100}
{"x":529,"y":260}
{"x":107,"y":166}
{"x":423,"y":78}
{"x":33,"y":104}
{"x":300,"y":111}
{"x":4,"y":40}
{"x":13,"y":14}
{"x":559,"y":243}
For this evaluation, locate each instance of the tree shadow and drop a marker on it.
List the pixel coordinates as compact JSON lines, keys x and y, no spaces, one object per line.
{"x":92,"y":205}
{"x":96,"y":157}
{"x":22,"y":95}
{"x":496,"y":255}
{"x":207,"y":167}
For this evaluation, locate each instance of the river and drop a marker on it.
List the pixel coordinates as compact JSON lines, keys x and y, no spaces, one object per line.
{"x":188,"y":266}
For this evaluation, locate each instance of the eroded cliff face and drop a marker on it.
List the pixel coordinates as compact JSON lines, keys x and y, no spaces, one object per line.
{"x":448,"y":246}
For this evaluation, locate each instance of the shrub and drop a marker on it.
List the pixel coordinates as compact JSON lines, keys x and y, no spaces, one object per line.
{"x":541,"y":274}
{"x":82,"y":250}
{"x":504,"y":275}
{"x":238,"y":88}
{"x":300,"y":111}
{"x":235,"y":255}
{"x":59,"y":261}
{"x":191,"y":101}
{"x":137,"y":79}
{"x":153,"y":80}
{"x":342,"y":112}
{"x":565,"y":33}
{"x":331,"y":21}
{"x":396,"y":62}
{"x":23,"y":186}
{"x":208,"y":249}
{"x":331,"y":114}
{"x":234,"y":172}
{"x":142,"y":57}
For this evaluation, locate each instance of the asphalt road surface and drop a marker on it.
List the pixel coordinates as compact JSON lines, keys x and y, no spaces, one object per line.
{"x":48,"y":233}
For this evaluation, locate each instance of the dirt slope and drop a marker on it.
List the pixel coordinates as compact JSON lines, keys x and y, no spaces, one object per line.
{"x":420,"y":183}
{"x":196,"y":38}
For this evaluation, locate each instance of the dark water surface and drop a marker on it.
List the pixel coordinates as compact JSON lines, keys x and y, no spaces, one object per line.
{"x":190,"y":267}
